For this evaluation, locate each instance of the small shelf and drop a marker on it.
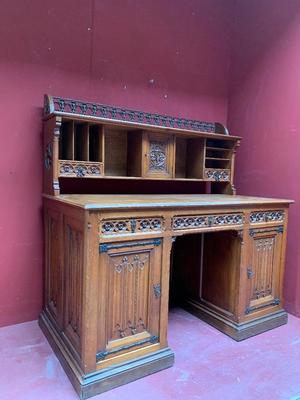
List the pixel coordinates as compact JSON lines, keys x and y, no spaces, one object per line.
{"x":216,"y":158}
{"x":217,"y":148}
{"x":214,"y":144}
{"x":217,"y":163}
{"x":189,"y":158}
{"x":81,"y":142}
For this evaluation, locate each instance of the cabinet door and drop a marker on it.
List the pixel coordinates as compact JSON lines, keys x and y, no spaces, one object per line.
{"x":264,"y":268}
{"x":129,"y":297}
{"x":159,"y":155}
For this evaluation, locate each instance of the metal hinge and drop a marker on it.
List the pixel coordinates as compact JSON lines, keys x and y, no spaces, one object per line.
{"x":274,"y":302}
{"x":157,"y":290}
{"x":250,"y":273}
{"x":104,"y":247}
{"x":102,"y":354}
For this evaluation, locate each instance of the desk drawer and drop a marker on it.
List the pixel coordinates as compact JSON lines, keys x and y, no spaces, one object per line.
{"x":113,"y":227}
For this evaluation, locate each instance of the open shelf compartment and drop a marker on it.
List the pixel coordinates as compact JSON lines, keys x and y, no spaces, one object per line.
{"x":189,"y":157}
{"x":80,"y":150}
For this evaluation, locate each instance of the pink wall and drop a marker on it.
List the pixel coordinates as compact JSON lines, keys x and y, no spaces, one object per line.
{"x":264,"y":108}
{"x":161,"y":56}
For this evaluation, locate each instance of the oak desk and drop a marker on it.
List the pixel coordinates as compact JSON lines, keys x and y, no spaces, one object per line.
{"x":108,"y":261}
{"x":115,"y":262}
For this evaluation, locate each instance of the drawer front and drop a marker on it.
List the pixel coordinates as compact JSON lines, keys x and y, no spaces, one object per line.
{"x":125,"y":226}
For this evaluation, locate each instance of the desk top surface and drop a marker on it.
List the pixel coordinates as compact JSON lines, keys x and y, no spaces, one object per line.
{"x":121,"y":201}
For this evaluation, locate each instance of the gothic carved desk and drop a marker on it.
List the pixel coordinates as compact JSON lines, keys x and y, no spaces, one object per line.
{"x":113,"y":261}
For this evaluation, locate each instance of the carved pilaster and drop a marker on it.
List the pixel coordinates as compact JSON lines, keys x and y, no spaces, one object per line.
{"x":56,"y":134}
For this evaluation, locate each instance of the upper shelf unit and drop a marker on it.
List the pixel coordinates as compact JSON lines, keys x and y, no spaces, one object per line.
{"x":84,"y":140}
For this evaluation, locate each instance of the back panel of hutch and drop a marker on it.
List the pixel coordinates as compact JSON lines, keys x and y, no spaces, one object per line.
{"x":110,"y":259}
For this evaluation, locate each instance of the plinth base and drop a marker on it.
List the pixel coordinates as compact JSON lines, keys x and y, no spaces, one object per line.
{"x":236,"y":331}
{"x":87,"y":385}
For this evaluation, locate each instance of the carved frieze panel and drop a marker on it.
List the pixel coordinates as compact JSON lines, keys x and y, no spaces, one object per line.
{"x":132,"y":225}
{"x":218,"y":175}
{"x":109,"y":227}
{"x":266,"y":216}
{"x":80,"y":168}
{"x":205,"y":221}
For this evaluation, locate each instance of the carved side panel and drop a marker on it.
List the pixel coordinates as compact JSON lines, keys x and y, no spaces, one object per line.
{"x":217,"y":175}
{"x":132,"y":297}
{"x":54,"y":271}
{"x":80,"y":168}
{"x":263,"y":271}
{"x":73,"y":247}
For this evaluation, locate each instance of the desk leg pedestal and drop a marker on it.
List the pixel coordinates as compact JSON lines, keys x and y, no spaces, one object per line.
{"x":237,"y":331}
{"x":91,"y":384}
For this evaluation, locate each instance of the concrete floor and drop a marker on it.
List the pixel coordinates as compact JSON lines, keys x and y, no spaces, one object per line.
{"x":208,"y":366}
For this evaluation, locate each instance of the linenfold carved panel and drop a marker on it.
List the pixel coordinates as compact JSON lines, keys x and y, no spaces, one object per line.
{"x":80,"y":168}
{"x":129,"y":276}
{"x":205,"y":221}
{"x":53,"y":267}
{"x":266,"y":216}
{"x":132,"y":225}
{"x":263,"y":267}
{"x":264,"y":290}
{"x":73,"y":283}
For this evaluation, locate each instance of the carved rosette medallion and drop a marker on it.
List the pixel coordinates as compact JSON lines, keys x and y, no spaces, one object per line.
{"x":218,"y":175}
{"x":80,"y":168}
{"x":206,"y":221}
{"x":158,"y":158}
{"x":266,"y":216}
{"x":115,"y":227}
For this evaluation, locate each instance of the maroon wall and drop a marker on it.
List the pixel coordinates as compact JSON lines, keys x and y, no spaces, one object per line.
{"x":264,"y":108}
{"x":162,"y":56}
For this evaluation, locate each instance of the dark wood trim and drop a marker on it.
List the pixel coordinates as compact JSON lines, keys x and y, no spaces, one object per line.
{"x":59,"y":105}
{"x":237,"y":331}
{"x":88,"y":385}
